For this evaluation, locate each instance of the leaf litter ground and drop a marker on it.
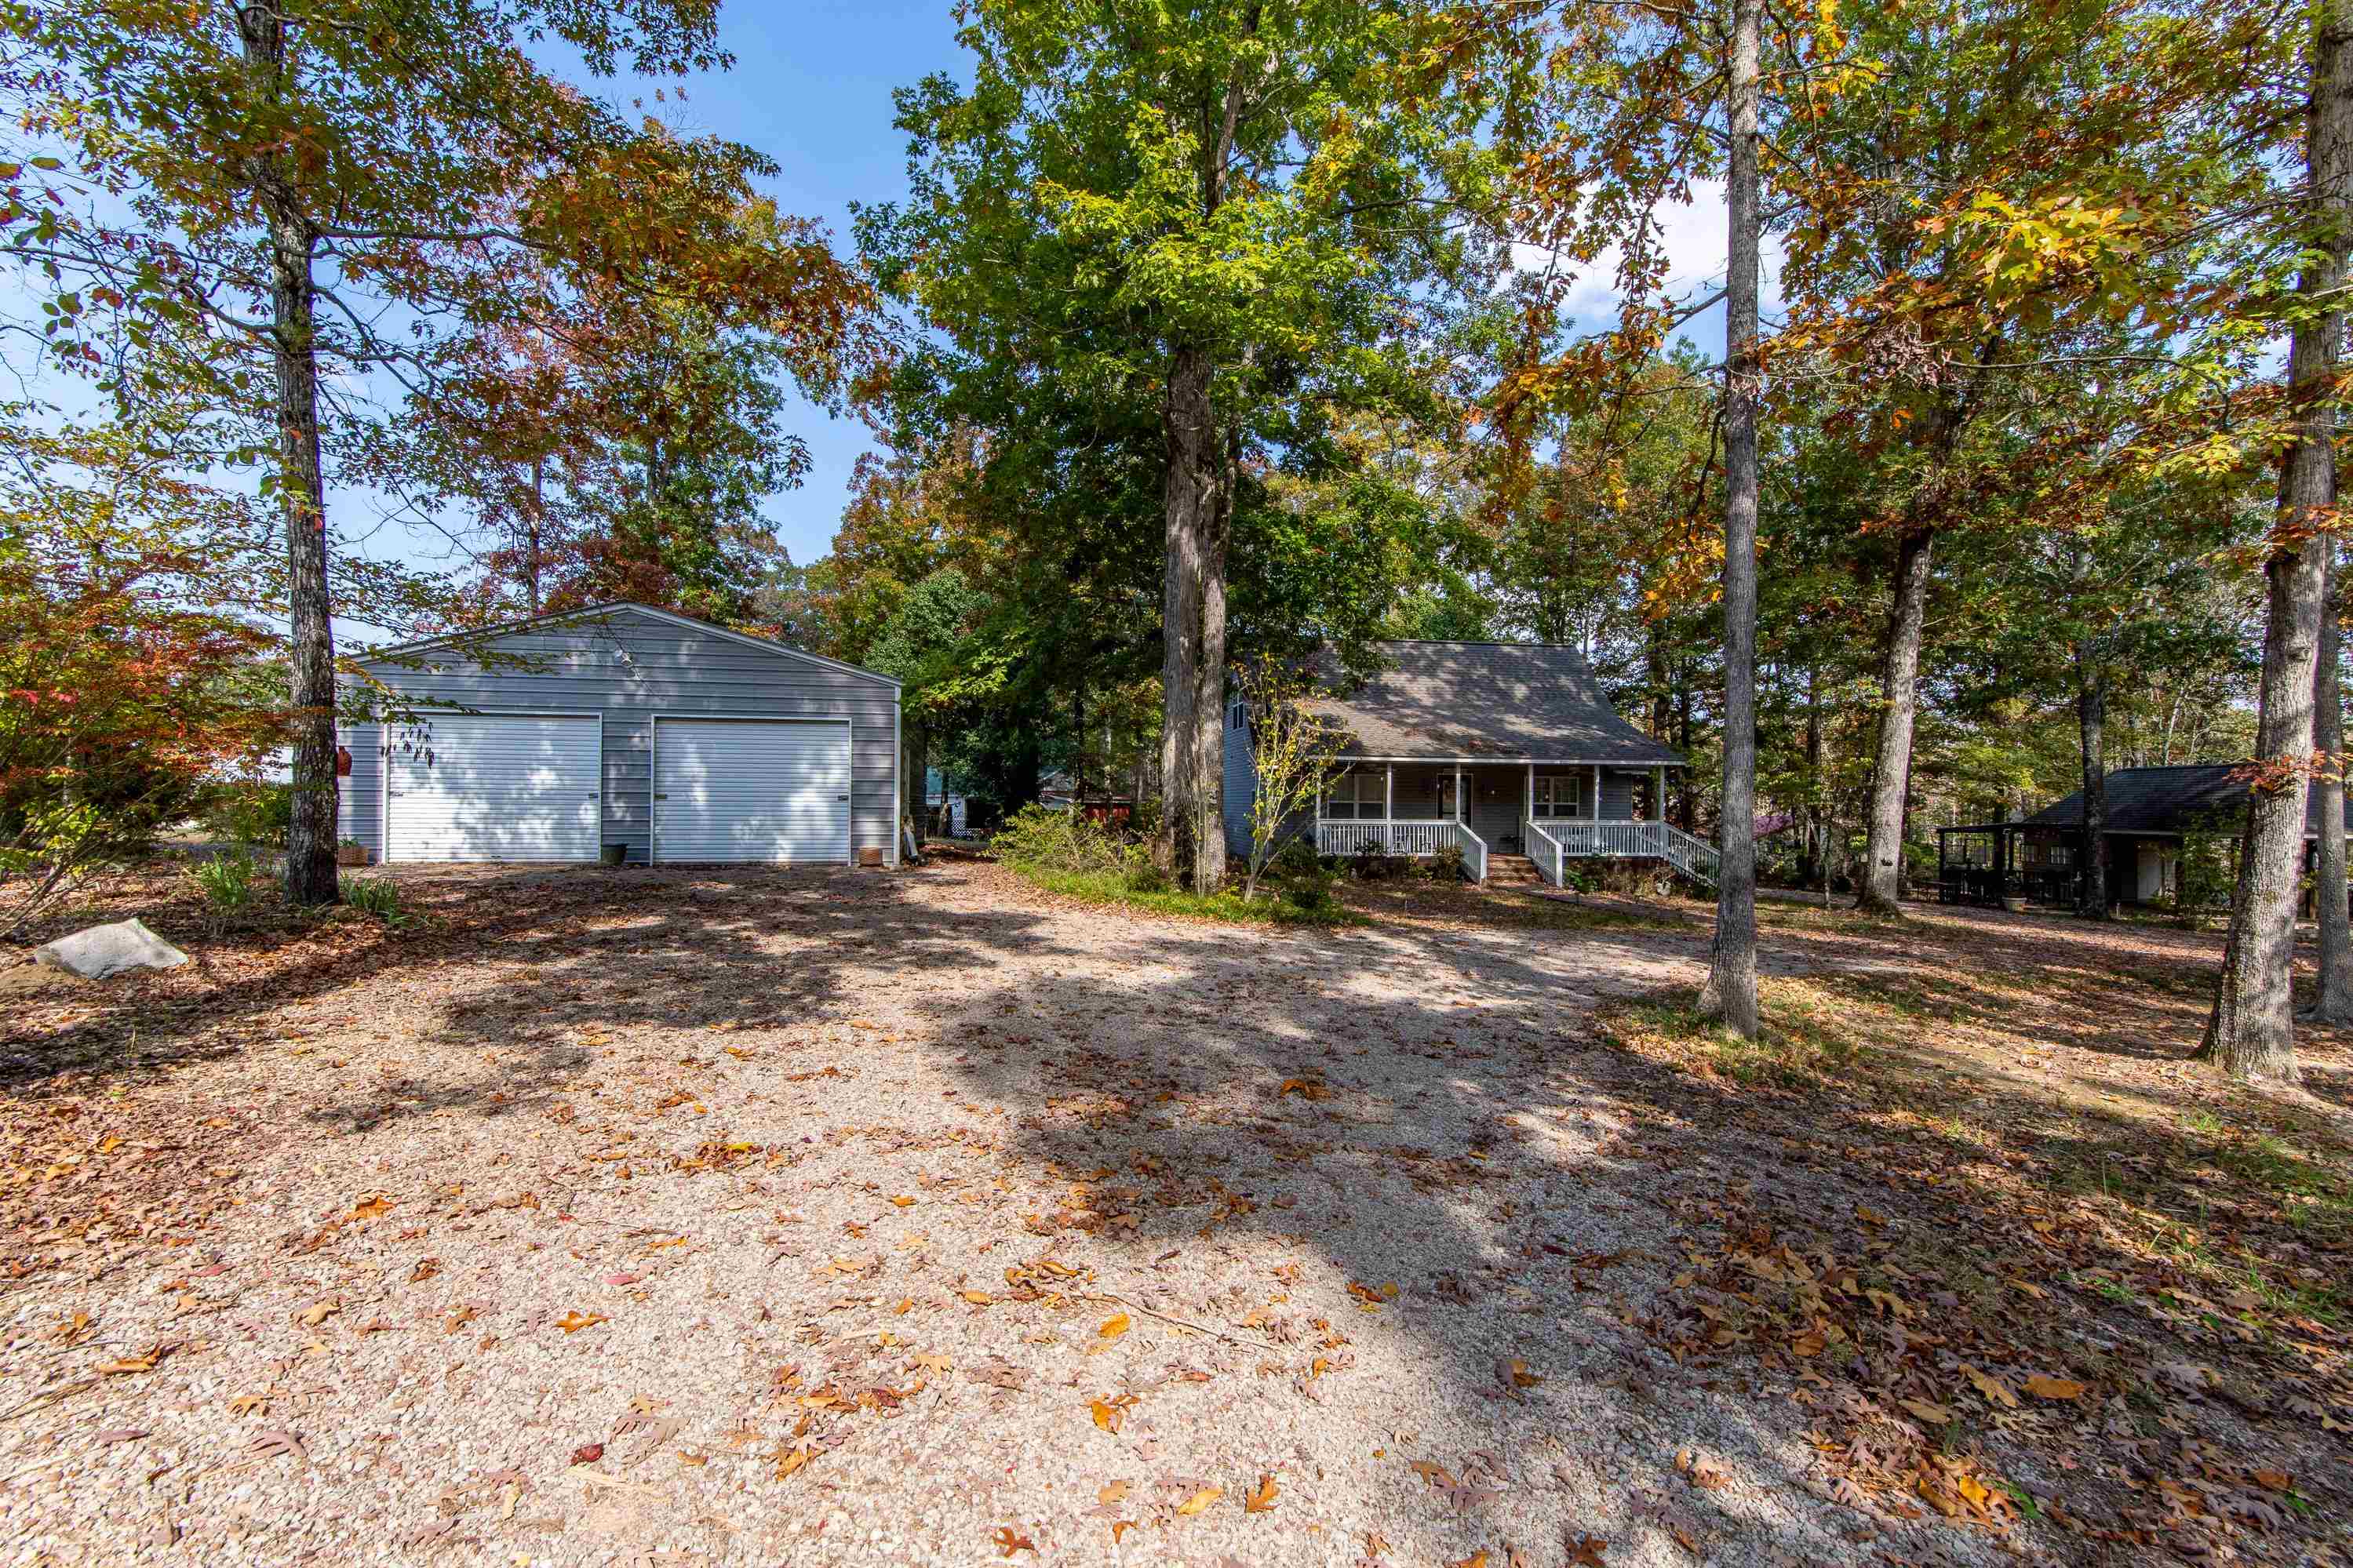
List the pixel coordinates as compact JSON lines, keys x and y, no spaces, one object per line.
{"x":760,"y":1216}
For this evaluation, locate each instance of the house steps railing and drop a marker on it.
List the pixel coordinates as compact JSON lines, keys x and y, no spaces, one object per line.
{"x":1560,"y":840}
{"x":1474,"y":852}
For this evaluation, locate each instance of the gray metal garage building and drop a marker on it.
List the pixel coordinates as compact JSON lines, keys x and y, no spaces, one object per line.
{"x":622,"y":724}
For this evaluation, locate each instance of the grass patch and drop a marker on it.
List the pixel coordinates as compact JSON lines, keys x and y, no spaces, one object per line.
{"x":1110,"y":888}
{"x":1807,"y":1029}
{"x":1409,"y":899}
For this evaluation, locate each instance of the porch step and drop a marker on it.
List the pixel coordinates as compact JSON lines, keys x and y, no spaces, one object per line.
{"x":1513,"y":871}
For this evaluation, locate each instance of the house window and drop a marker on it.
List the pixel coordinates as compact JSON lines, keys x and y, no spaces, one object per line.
{"x":1556,"y":794}
{"x":1357,"y":795}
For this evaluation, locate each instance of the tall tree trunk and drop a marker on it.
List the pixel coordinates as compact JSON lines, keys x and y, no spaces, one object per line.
{"x":1899,"y":685}
{"x":302,"y":497}
{"x":530,"y":557}
{"x":2091,"y":732}
{"x":1730,"y":992}
{"x":2252,"y":1031}
{"x":1817,"y":851}
{"x":1209,"y":701}
{"x":2335,"y":1003}
{"x":1189,"y":504}
{"x":1079,"y":743}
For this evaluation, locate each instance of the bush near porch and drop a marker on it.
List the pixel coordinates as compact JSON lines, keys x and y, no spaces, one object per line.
{"x":1064,"y":853}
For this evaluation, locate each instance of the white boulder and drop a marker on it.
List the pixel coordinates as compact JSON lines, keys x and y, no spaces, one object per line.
{"x":103,"y":952}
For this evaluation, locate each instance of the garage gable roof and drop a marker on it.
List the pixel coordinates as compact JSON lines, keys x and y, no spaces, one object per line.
{"x":624,"y":606}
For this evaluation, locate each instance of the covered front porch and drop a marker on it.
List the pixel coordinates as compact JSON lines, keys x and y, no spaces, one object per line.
{"x":1549,"y":813}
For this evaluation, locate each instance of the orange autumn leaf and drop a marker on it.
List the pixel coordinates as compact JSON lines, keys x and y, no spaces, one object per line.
{"x":2053,"y":1387}
{"x":1262,"y":1499}
{"x":1199,"y":1500}
{"x":979,"y":1298}
{"x":574,"y":1321}
{"x":1113,"y":1326}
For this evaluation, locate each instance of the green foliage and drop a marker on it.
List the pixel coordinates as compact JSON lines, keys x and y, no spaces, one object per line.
{"x":1035,"y":838}
{"x":377,"y":896}
{"x":254,"y":811}
{"x":1143,"y":877}
{"x":228,"y":882}
{"x":1447,"y":864}
{"x":1297,"y":856}
{"x":1310,"y":891}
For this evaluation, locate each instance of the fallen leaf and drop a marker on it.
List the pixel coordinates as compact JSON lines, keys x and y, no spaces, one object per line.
{"x":1113,"y":1326}
{"x":133,"y":1434}
{"x":622,"y":1279}
{"x":1262,"y":1499}
{"x":1997,"y":1392}
{"x":1120,"y":1527}
{"x":2273,"y":1480}
{"x":2043,"y":1387}
{"x":249,"y":1405}
{"x":903,"y":1201}
{"x":128,"y":1364}
{"x":314,"y":1316}
{"x":269,"y":1445}
{"x":1113,"y":1492}
{"x":1199,"y":1500}
{"x":979,"y":1298}
{"x":427,"y":1267}
{"x":573,"y":1322}
{"x":371,"y":1207}
{"x":1586,"y":1552}
{"x":1007,"y":1543}
{"x":587,"y":1453}
{"x":1934,"y":1414}
{"x":1476,"y":1560}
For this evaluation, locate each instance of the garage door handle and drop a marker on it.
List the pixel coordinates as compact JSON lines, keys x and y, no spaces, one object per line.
{"x":841,"y":798}
{"x":661,"y":797}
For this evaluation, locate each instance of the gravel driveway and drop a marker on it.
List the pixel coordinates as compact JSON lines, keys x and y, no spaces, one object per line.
{"x":866,"y":1217}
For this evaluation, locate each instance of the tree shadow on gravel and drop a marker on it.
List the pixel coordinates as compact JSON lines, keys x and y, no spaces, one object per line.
{"x":1423,"y":1116}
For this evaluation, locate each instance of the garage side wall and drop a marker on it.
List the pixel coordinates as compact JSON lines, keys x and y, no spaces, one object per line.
{"x":630,"y":668}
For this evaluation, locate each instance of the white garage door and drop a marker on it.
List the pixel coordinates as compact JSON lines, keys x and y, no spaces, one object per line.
{"x":751,"y":789}
{"x":494,"y":786}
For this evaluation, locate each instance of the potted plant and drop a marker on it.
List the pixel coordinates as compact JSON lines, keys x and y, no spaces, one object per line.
{"x":351,"y":852}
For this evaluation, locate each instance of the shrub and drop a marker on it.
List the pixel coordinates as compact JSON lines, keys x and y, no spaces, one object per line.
{"x":1143,"y":877}
{"x":1447,"y":865}
{"x":1296,"y":856}
{"x":1370,"y":862}
{"x":1309,"y":893}
{"x":377,"y":896}
{"x":229,"y":882}
{"x":251,"y":812}
{"x":1058,"y":841}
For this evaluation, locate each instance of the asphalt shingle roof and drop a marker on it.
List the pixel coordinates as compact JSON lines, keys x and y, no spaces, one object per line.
{"x":2159,"y":800}
{"x":1446,"y":701}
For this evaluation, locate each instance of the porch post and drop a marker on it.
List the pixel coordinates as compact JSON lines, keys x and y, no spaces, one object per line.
{"x":1528,"y":805}
{"x":1658,"y":795}
{"x":1597,"y":791}
{"x":1458,"y":793}
{"x":1388,"y":810}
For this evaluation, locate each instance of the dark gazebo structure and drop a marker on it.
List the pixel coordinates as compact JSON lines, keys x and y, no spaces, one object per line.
{"x":2040,"y":860}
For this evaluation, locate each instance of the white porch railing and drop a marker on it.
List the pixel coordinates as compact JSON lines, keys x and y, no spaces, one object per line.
{"x":1635,"y":840}
{"x":1542,"y":848}
{"x":1422,"y":836}
{"x":1474,"y":851}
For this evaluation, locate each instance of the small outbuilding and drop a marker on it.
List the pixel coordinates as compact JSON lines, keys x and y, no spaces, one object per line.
{"x":2152,"y":813}
{"x":621,"y":731}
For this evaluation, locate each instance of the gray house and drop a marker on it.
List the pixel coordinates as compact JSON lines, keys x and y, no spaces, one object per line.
{"x":1508,"y":750}
{"x":621,"y":725}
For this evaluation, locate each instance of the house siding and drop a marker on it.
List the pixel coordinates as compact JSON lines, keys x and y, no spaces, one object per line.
{"x":1240,"y":787}
{"x":629,"y":666}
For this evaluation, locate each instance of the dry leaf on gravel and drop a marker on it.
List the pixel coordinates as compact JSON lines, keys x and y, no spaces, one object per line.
{"x":1009,"y":1542}
{"x":573,"y":1322}
{"x":1586,"y":1552}
{"x":2053,"y":1387}
{"x":1262,"y":1499}
{"x":1199,"y":1500}
{"x":1113,"y":1326}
